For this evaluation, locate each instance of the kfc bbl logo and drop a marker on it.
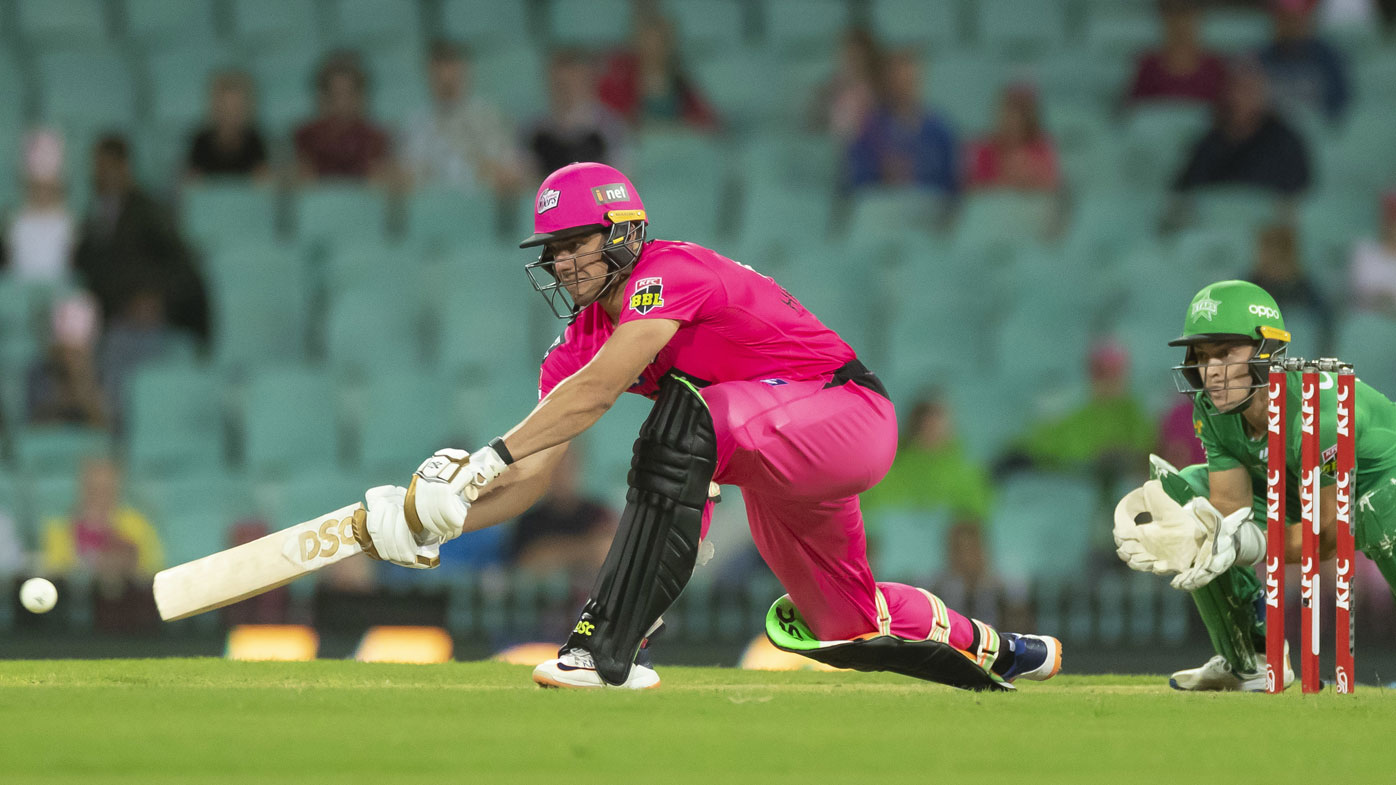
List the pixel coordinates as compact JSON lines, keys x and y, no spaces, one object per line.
{"x":648,"y":295}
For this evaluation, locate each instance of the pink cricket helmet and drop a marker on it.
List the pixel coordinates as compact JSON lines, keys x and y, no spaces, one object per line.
{"x":583,"y":198}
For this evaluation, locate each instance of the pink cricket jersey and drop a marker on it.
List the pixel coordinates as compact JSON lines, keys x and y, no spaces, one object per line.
{"x":735,"y":324}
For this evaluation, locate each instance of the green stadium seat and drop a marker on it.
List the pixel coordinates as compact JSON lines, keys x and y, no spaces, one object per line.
{"x":262,"y":21}
{"x":1218,"y":252}
{"x":310,"y":493}
{"x":284,"y":74}
{"x":327,"y":215}
{"x":965,"y":86}
{"x":1005,"y":28}
{"x":386,"y":266}
{"x":57,"y":449}
{"x":1365,"y":340}
{"x":907,"y":545}
{"x":360,"y":21}
{"x":486,"y":24}
{"x":989,"y":411}
{"x":401,"y":419}
{"x":991,"y":219}
{"x":513,"y":78}
{"x":764,"y":237}
{"x":684,"y":209}
{"x":727,"y":80}
{"x":1374,"y":76}
{"x":917,"y":23}
{"x":192,"y":512}
{"x":289,"y":421}
{"x":260,"y":302}
{"x":51,"y":496}
{"x":1157,"y":140}
{"x":1360,"y":158}
{"x":62,"y":21}
{"x":1239,"y":30}
{"x":1234,"y":208}
{"x":398,"y":88}
{"x":1329,"y":223}
{"x":884,"y":211}
{"x":1123,"y":32}
{"x":1306,"y":329}
{"x":794,"y":162}
{"x":89,"y":87}
{"x":1104,"y":224}
{"x":171,"y":21}
{"x":1075,"y":77}
{"x":370,"y":328}
{"x":175,"y":420}
{"x":713,"y":26}
{"x":478,"y":306}
{"x":179,"y":77}
{"x":804,"y":25}
{"x":590,"y":23}
{"x":607,"y":446}
{"x":1042,"y":525}
{"x":439,"y":217}
{"x":1042,"y":344}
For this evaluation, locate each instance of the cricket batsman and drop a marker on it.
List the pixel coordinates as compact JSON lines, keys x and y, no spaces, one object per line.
{"x":1204,"y":524}
{"x":749,"y":389}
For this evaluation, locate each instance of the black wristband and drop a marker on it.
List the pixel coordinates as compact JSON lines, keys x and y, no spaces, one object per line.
{"x":497,"y":444}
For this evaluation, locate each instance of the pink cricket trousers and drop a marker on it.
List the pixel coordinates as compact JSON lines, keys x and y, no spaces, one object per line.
{"x":801,"y":453}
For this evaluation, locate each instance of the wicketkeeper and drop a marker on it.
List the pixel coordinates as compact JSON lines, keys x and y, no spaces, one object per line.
{"x":1204,"y":524}
{"x":749,"y":389}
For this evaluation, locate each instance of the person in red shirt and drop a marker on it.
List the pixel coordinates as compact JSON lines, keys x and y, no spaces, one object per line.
{"x":1018,"y":154}
{"x":648,"y":84}
{"x":1182,"y":70}
{"x":341,"y":141}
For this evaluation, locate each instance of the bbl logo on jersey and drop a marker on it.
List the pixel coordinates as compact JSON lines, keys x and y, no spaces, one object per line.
{"x":615,"y":192}
{"x":547,"y":200}
{"x":649,"y":294}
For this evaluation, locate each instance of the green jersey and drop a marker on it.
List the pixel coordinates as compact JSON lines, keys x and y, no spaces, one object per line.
{"x":1228,"y":445}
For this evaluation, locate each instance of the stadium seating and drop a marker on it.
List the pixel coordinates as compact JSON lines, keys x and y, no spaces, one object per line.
{"x":486,"y":24}
{"x":165,"y":22}
{"x":193,"y":511}
{"x":62,"y":21}
{"x":179,"y":77}
{"x":284,"y":75}
{"x":514,"y":79}
{"x":216,"y":214}
{"x":1005,"y":28}
{"x":258,"y":22}
{"x":1365,"y":340}
{"x":260,"y":307}
{"x":907,"y":545}
{"x":357,"y":22}
{"x":912,"y":22}
{"x":338,"y":214}
{"x":288,"y":421}
{"x":439,"y":217}
{"x":86,"y":88}
{"x":589,"y":23}
{"x":175,"y":420}
{"x":1041,"y":526}
{"x":706,"y":28}
{"x":57,"y":449}
{"x":372,"y":328}
{"x":401,"y":419}
{"x":794,"y":25}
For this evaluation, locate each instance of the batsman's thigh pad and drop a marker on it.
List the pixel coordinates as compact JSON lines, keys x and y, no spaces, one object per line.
{"x":928,"y":660}
{"x":1228,"y":606}
{"x":656,"y":546}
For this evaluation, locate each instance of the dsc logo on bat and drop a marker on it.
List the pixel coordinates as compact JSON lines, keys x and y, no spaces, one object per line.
{"x":325,"y":540}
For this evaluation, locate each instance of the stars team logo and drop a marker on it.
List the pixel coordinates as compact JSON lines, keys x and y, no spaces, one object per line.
{"x":547,"y":200}
{"x":649,"y":294}
{"x":1204,"y":307}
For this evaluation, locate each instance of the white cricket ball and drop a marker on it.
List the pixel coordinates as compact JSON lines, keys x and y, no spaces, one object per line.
{"x":38,"y":595}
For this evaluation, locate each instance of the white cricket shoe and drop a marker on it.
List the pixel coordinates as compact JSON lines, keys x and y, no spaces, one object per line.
{"x":575,"y":669}
{"x":1216,"y":676}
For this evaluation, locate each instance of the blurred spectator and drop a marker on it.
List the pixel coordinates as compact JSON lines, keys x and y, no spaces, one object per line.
{"x":845,"y":102}
{"x":460,"y":140}
{"x":63,"y":386}
{"x":1178,"y":442}
{"x":1304,"y":70}
{"x":1181,"y":70}
{"x":903,"y":143}
{"x":1108,"y":434}
{"x":972,"y":583}
{"x":1278,"y":271}
{"x":931,"y":470}
{"x":229,"y":143}
{"x":266,"y":608}
{"x":131,"y":255}
{"x":112,"y":542}
{"x":1248,"y":144}
{"x":39,"y":235}
{"x":1018,"y":154}
{"x":341,"y":141}
{"x":1373,"y":267}
{"x":578,"y":127}
{"x":565,"y":531}
{"x":648,"y":84}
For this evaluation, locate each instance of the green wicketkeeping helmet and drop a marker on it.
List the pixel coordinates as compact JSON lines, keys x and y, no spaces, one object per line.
{"x":1229,"y":311}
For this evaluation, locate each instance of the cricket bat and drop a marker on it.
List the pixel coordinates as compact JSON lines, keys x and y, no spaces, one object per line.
{"x":259,"y":566}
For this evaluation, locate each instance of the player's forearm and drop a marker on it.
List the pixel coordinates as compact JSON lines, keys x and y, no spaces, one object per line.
{"x":571,"y":408}
{"x":1327,"y":537}
{"x":514,"y":491}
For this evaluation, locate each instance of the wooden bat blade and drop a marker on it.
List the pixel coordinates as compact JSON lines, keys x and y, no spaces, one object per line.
{"x":259,"y":566}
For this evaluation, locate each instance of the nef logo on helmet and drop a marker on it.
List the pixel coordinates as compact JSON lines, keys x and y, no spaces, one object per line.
{"x":547,"y":200}
{"x":1265,"y":310}
{"x":648,"y":295}
{"x":615,"y":192}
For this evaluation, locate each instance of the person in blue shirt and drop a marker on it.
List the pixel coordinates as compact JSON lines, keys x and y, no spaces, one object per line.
{"x":903,"y":143}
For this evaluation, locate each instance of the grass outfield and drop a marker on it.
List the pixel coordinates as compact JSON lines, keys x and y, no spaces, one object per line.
{"x":209,"y":720}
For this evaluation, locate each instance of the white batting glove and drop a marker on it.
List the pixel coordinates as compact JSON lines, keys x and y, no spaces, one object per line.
{"x":1230,"y":538}
{"x":392,"y":539}
{"x":445,"y":485}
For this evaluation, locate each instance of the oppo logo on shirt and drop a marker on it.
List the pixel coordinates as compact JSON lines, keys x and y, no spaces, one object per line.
{"x":649,"y":294}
